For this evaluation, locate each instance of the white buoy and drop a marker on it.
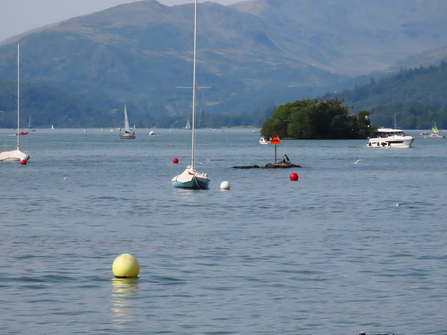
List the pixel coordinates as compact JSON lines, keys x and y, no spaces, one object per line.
{"x":225,"y":185}
{"x":126,"y":266}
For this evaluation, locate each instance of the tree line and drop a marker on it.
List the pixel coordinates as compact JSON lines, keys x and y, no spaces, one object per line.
{"x":317,"y":119}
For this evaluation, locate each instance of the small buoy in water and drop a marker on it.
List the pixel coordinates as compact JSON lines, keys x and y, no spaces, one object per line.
{"x":225,"y":185}
{"x":397,"y":204}
{"x":23,"y":162}
{"x":175,"y":160}
{"x":293,"y":176}
{"x":126,"y":266}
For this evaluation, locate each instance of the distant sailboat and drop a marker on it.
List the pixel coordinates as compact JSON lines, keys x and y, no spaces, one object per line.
{"x":29,"y":125}
{"x":188,"y":126}
{"x":435,"y":133}
{"x":16,"y":155}
{"x":190,"y":178}
{"x":128,"y":132}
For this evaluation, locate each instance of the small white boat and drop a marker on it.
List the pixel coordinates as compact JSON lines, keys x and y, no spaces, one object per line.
{"x":435,"y":133}
{"x":16,"y":155}
{"x":152,"y":133}
{"x":390,"y":138}
{"x":128,"y":133}
{"x":265,"y":140}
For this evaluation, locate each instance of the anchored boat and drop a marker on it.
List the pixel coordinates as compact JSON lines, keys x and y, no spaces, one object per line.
{"x":390,"y":138}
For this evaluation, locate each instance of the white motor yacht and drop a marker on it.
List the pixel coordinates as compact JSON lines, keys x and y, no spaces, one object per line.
{"x":390,"y":138}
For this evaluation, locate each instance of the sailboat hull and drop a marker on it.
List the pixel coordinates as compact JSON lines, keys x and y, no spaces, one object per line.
{"x":13,"y":156}
{"x":127,"y":136}
{"x":191,"y":179}
{"x":195,"y":184}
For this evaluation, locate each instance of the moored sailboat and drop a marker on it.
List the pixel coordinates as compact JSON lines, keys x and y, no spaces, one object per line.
{"x":16,"y":155}
{"x":128,"y":132}
{"x":190,"y":178}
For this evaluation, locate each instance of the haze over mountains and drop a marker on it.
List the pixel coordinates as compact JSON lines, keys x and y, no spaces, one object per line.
{"x":250,"y":54}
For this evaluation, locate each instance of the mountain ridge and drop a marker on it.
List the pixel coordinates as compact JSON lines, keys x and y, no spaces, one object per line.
{"x":251,"y":54}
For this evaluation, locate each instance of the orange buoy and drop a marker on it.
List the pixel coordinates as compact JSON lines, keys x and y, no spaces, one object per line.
{"x":294,"y":176}
{"x":175,"y":160}
{"x":23,"y":162}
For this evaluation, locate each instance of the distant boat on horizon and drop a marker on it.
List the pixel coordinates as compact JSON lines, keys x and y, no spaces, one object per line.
{"x":128,"y":132}
{"x":29,"y":125}
{"x":435,"y":133}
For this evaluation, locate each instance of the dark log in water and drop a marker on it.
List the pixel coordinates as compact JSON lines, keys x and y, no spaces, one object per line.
{"x":279,"y":165}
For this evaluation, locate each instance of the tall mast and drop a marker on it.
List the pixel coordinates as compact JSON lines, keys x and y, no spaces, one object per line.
{"x":194,"y":85}
{"x":18,"y":96}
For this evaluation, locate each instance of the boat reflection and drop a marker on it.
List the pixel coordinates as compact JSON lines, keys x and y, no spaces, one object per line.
{"x":124,"y":291}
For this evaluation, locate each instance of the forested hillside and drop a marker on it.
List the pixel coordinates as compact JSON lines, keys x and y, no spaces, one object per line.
{"x":415,"y":98}
{"x":253,"y":54}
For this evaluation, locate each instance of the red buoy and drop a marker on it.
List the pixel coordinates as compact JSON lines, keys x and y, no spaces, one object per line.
{"x":23,"y":162}
{"x":175,"y":160}
{"x":294,"y":176}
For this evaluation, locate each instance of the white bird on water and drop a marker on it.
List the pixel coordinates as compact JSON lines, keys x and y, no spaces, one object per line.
{"x":358,"y":160}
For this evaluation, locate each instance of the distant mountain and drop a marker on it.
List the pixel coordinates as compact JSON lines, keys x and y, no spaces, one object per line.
{"x":250,"y":55}
{"x":425,"y":58}
{"x":352,"y":37}
{"x":415,"y":98}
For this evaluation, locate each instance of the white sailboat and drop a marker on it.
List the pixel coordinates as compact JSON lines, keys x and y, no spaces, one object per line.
{"x":16,"y":155}
{"x":435,"y":133}
{"x":190,"y":178}
{"x":128,"y":132}
{"x":188,"y":126}
{"x":29,"y":125}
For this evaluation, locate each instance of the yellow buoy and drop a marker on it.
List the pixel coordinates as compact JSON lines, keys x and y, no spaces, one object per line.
{"x":126,"y":266}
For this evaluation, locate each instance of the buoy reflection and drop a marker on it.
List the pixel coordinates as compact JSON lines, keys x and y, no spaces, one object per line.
{"x":124,"y":291}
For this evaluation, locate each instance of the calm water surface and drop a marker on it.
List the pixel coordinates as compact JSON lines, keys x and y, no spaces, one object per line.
{"x":347,"y":248}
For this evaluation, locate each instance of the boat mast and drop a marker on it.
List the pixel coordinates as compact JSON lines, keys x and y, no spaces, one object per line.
{"x":194,"y":85}
{"x":18,"y":96}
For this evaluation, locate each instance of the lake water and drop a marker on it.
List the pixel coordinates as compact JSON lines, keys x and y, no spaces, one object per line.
{"x":347,"y":248}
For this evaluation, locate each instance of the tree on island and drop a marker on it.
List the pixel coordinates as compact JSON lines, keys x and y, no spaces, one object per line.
{"x":317,"y":119}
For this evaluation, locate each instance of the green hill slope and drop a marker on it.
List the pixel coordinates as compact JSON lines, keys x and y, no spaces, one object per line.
{"x":415,"y":97}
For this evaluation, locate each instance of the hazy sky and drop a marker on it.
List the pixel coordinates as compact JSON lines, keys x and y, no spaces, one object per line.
{"x":18,"y":16}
